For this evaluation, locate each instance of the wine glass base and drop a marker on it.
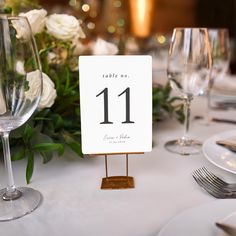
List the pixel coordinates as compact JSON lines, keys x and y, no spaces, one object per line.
{"x":25,"y":204}
{"x":189,"y":147}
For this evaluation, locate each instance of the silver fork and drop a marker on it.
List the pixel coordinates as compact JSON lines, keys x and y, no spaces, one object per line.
{"x":216,"y":180}
{"x":213,"y":189}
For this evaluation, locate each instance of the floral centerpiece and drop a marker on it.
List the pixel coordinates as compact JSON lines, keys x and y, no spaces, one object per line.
{"x":56,"y":124}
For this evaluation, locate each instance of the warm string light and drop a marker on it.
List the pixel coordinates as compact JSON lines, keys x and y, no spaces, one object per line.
{"x":161,"y":39}
{"x":141,"y":17}
{"x":119,"y":24}
{"x":89,"y":12}
{"x":117,"y":21}
{"x":85,"y":7}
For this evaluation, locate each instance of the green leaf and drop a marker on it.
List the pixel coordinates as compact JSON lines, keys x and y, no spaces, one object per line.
{"x":57,"y":121}
{"x":72,"y":143}
{"x":18,"y":155}
{"x":30,"y":167}
{"x":167,"y":89}
{"x":67,"y":76}
{"x":7,"y":10}
{"x":47,"y":156}
{"x":173,"y":99}
{"x":77,"y":133}
{"x":77,"y":111}
{"x":42,"y":147}
{"x":76,"y":147}
{"x":28,"y":133}
{"x":40,"y":138}
{"x":45,"y":51}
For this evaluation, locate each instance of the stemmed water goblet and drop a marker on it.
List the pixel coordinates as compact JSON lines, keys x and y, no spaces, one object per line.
{"x":20,"y":91}
{"x":220,"y":51}
{"x":188,"y":70}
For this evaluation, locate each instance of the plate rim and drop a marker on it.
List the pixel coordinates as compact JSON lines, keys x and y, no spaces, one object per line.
{"x":203,"y":205}
{"x":207,"y":155}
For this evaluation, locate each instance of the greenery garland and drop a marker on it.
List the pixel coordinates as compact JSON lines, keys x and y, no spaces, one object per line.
{"x":53,"y":129}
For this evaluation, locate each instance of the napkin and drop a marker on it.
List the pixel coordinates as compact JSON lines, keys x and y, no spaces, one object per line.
{"x":229,"y":143}
{"x":228,"y":224}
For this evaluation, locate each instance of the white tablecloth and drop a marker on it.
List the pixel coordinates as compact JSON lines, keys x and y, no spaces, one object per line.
{"x":75,"y":205}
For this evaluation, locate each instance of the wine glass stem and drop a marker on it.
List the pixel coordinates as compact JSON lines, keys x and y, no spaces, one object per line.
{"x":11,"y":191}
{"x":187,"y":103}
{"x":209,"y":99}
{"x":208,"y":104}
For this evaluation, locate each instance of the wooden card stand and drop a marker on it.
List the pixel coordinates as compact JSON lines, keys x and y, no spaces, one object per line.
{"x":118,"y":123}
{"x":118,"y":182}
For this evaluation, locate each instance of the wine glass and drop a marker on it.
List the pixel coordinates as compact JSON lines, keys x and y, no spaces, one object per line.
{"x":220,"y":51}
{"x":20,"y":91}
{"x":188,"y":70}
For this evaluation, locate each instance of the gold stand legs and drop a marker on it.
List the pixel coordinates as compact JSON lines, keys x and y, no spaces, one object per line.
{"x":117,"y":182}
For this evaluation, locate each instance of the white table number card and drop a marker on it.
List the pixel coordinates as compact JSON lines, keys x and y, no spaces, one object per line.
{"x":116,"y":104}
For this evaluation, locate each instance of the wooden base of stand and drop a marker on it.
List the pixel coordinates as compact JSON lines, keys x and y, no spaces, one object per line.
{"x":117,"y":182}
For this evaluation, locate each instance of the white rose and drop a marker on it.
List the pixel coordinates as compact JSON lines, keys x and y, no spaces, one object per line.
{"x":20,"y":68}
{"x":36,"y":19}
{"x":34,"y":84}
{"x":101,"y":47}
{"x":3,"y":107}
{"x":49,"y":92}
{"x":21,"y":28}
{"x":63,"y":26}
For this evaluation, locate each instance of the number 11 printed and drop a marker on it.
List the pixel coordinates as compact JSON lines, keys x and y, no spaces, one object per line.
{"x":127,"y":109}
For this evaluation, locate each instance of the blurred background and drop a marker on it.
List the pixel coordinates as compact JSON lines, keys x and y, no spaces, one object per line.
{"x":145,"y":26}
{"x":114,"y":16}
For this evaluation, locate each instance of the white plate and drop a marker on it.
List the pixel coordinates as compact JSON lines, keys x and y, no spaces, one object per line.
{"x":200,"y":221}
{"x":219,"y":155}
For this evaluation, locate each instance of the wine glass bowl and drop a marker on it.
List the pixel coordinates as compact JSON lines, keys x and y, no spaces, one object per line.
{"x":188,"y":70}
{"x":220,"y":51}
{"x":20,"y":91}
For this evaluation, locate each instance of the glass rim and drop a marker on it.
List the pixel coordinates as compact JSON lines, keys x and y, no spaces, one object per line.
{"x":189,"y":28}
{"x":217,"y":28}
{"x":202,"y":28}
